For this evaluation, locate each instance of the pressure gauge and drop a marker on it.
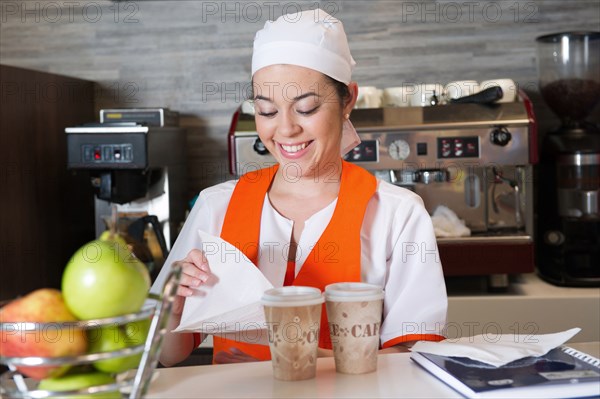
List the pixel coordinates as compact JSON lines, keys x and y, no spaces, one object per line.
{"x":399,"y":150}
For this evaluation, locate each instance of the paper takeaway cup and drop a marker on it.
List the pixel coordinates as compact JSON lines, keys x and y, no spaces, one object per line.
{"x":293,"y":316}
{"x":354,"y":314}
{"x":508,"y":86}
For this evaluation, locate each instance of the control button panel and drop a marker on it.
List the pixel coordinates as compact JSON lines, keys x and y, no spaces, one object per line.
{"x":458,"y":147}
{"x":111,"y":153}
{"x":366,"y":151}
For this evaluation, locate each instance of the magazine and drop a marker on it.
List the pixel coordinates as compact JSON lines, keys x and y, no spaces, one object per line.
{"x":561,"y":373}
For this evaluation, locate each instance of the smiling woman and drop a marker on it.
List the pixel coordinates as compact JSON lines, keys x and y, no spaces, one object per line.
{"x":304,"y":129}
{"x":335,"y":221}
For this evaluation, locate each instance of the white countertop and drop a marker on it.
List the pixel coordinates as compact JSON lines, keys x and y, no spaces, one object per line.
{"x":531,"y":306}
{"x":397,"y":377}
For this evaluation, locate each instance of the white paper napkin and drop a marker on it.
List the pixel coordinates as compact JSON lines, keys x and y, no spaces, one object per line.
{"x":229,"y":301}
{"x":447,"y":224}
{"x":497,"y":350}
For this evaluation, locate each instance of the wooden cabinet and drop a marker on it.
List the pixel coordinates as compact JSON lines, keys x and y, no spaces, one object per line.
{"x":46,"y":211}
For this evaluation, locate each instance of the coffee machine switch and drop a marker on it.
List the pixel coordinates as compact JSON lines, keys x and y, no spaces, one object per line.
{"x":554,"y":238}
{"x":500,"y":136}
{"x":260,"y":148}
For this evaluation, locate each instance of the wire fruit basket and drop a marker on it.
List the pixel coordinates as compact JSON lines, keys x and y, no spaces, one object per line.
{"x":132,"y":383}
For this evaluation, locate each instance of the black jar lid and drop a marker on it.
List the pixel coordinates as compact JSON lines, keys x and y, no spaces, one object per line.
{"x":557,"y":37}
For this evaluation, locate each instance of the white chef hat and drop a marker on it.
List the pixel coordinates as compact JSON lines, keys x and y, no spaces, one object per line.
{"x":311,"y":39}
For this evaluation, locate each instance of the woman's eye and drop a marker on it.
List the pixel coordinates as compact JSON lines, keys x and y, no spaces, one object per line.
{"x":267,"y":114}
{"x":307,"y":112}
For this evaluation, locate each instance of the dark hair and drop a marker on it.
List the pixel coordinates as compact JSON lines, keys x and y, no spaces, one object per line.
{"x":341,"y":89}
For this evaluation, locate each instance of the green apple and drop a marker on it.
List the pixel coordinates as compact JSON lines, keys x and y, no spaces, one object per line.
{"x":137,"y":331}
{"x":72,"y":382}
{"x":110,"y":236}
{"x":112,"y":338}
{"x":104,"y":279}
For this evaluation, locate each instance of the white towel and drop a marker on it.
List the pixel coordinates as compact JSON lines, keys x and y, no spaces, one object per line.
{"x":447,"y":224}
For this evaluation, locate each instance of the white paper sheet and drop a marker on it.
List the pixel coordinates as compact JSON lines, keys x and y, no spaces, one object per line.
{"x":229,"y":302}
{"x":497,"y":350}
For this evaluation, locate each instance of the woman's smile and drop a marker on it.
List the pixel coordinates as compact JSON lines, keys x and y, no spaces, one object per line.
{"x":294,"y":150}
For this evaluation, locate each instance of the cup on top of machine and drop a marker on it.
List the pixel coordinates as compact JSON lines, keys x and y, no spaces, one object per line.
{"x":508,"y":86}
{"x":248,"y":107}
{"x":368,"y":97}
{"x":399,"y":96}
{"x":427,"y":94}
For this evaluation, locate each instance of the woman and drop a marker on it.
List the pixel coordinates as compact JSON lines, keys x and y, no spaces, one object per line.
{"x":334,"y":219}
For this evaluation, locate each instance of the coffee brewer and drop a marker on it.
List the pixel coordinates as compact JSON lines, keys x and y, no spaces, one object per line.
{"x":569,"y":216}
{"x":475,"y":159}
{"x":138,"y":171}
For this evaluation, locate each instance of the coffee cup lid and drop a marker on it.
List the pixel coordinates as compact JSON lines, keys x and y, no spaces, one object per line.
{"x":352,"y":292}
{"x":292,"y":296}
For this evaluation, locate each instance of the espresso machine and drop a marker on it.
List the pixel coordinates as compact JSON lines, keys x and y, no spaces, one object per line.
{"x":569,"y":215}
{"x":475,"y":159}
{"x":137,"y":169}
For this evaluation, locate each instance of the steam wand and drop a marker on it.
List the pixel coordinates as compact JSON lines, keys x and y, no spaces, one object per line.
{"x":498,"y":178}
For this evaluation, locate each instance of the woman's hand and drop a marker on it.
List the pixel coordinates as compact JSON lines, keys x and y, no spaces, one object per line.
{"x":234,"y":356}
{"x":194,"y":272}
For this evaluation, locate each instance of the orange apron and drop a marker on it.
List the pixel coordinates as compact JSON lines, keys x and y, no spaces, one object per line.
{"x":336,"y":255}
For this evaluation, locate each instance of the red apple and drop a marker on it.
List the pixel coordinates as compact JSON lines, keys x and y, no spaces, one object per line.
{"x":50,"y":339}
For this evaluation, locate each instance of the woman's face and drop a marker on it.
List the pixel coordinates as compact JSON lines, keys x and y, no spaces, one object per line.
{"x":299,"y":118}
